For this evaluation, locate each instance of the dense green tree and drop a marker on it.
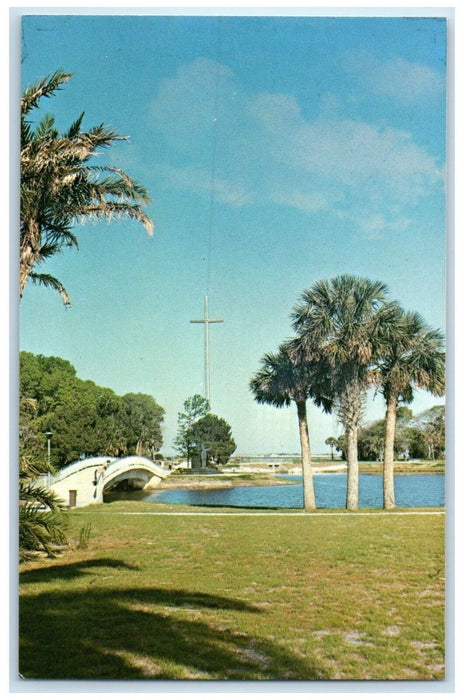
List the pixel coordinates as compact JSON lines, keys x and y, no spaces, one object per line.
{"x":60,"y":186}
{"x":371,"y":440}
{"x":341,"y":445}
{"x":402,"y":440}
{"x":403,"y":413}
{"x":108,"y":427}
{"x":195,"y":407}
{"x":285,"y":377}
{"x":345,"y":321}
{"x":416,"y":437}
{"x":83,"y":417}
{"x":214,"y":435}
{"x":414,"y":358}
{"x":143,"y":424}
{"x":47,"y":386}
{"x":40,"y":376}
{"x":428,"y":434}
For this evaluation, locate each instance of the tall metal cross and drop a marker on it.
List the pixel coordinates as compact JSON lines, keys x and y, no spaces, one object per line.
{"x":206,"y":320}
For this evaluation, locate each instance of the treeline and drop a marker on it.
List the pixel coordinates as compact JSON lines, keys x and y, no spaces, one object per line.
{"x":85,"y":419}
{"x":420,"y":436}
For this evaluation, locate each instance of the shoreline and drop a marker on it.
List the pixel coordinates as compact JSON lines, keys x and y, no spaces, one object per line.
{"x":256,"y":476}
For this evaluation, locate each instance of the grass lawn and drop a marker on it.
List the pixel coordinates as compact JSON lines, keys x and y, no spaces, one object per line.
{"x":172,"y":592}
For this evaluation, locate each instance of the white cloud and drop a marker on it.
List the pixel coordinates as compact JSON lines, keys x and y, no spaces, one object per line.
{"x":376,"y":225}
{"x":187,"y":104}
{"x":267,"y":151}
{"x":276,"y":112}
{"x":199,"y":180}
{"x":396,"y":78}
{"x":308,"y":202}
{"x":352,"y":154}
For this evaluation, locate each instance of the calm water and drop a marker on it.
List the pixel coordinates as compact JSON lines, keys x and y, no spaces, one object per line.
{"x":411,"y":491}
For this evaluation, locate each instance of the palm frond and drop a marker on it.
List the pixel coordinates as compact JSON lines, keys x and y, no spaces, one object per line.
{"x":414,"y":357}
{"x":52,"y":283}
{"x":46,"y":128}
{"x":42,"y":518}
{"x":61,"y":187}
{"x":43,"y":88}
{"x":75,"y":127}
{"x":111,"y":210}
{"x":288,"y":376}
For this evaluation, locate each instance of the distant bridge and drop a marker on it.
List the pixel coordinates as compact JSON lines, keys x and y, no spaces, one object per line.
{"x":84,"y":482}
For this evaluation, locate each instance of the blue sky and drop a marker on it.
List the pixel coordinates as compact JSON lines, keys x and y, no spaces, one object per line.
{"x":330,"y":157}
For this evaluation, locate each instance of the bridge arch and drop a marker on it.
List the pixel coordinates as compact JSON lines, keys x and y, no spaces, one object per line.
{"x":84,"y":482}
{"x":139,"y":472}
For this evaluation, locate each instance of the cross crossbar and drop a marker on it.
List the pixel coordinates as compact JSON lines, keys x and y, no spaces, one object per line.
{"x":206,"y":320}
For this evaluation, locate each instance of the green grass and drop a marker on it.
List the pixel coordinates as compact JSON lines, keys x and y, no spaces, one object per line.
{"x":163,"y":594}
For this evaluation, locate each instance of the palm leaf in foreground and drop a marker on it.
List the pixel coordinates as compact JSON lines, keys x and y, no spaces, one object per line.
{"x":41,"y":515}
{"x":61,"y":186}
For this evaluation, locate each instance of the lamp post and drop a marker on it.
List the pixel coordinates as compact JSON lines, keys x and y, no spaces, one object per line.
{"x":49,"y":434}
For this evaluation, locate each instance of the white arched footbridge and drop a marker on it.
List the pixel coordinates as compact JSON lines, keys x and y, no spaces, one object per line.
{"x":82,"y":483}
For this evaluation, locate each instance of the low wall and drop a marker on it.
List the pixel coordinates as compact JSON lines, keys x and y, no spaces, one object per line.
{"x":81,"y":488}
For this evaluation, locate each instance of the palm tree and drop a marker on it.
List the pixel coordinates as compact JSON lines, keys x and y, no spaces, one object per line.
{"x":284,"y":377}
{"x":332,"y":442}
{"x":414,"y":359}
{"x":59,"y":187}
{"x":42,"y":517}
{"x":345,"y":321}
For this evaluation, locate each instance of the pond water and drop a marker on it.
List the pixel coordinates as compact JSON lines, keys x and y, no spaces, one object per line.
{"x":411,"y":491}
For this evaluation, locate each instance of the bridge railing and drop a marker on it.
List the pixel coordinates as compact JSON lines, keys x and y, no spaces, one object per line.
{"x":115,"y":466}
{"x":73,"y":468}
{"x":133,"y":462}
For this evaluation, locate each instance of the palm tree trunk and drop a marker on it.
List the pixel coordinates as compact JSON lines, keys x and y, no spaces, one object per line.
{"x":23,"y":275}
{"x":30,"y":244}
{"x":24,"y":268}
{"x":388,"y":480}
{"x":309,"y":499}
{"x":352,"y":492}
